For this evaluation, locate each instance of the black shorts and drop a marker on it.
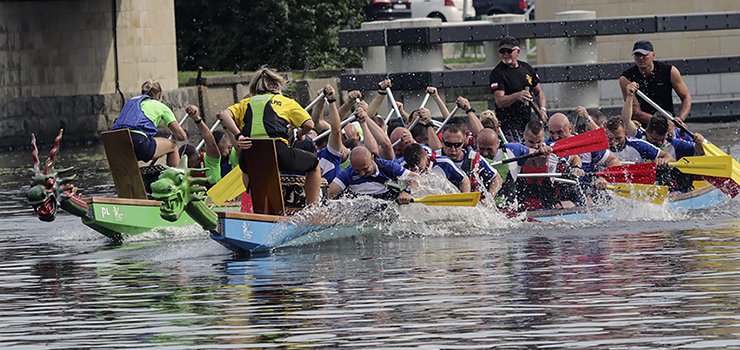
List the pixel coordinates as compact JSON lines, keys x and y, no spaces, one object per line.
{"x":144,"y":146}
{"x":290,"y":160}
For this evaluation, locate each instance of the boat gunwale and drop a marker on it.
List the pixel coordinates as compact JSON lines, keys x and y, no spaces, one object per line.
{"x":251,"y":216}
{"x":579,"y":210}
{"x":122,"y":201}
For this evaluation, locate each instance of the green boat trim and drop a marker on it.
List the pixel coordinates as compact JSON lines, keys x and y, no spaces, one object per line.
{"x":117,"y":218}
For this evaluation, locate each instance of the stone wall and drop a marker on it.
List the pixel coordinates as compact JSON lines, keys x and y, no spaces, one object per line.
{"x":58,"y":63}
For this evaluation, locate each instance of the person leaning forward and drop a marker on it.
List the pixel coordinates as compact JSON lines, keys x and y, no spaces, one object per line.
{"x":141,"y":115}
{"x":509,"y":81}
{"x":657,"y":80}
{"x":265,"y":115}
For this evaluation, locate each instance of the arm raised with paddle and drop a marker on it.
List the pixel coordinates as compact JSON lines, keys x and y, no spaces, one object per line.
{"x":729,"y":185}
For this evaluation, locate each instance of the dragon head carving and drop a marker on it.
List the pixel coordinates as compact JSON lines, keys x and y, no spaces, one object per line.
{"x":178,"y":189}
{"x":50,"y":189}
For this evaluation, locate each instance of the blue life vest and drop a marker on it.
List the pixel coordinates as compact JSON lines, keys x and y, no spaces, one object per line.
{"x":133,"y":118}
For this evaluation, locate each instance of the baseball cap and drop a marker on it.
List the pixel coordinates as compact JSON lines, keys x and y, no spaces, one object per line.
{"x":643,"y":47}
{"x":508,"y":42}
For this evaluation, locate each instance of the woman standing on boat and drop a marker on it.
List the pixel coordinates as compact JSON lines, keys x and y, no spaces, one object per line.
{"x":266,"y":114}
{"x":141,"y":115}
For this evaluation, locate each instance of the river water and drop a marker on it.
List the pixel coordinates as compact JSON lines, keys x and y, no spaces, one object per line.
{"x":648,"y":278}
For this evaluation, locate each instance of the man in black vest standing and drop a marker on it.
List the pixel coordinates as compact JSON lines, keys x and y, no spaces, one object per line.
{"x":656,"y":80}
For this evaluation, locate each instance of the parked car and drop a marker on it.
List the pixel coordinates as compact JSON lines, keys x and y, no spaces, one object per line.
{"x":495,"y":7}
{"x":446,"y":10}
{"x":386,"y":10}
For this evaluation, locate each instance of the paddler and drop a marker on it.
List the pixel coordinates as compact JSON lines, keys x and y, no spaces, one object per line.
{"x":374,"y":177}
{"x":483,"y":177}
{"x":633,"y":150}
{"x":336,"y":151}
{"x":492,"y":150}
{"x":141,"y":115}
{"x":422,"y":160}
{"x":266,"y":114}
{"x":659,"y":133}
{"x":542,"y":192}
{"x":560,"y":128}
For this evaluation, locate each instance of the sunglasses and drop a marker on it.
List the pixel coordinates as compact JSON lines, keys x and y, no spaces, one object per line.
{"x":505,"y":51}
{"x":453,"y":144}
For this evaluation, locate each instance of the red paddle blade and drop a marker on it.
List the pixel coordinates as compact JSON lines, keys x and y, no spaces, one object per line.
{"x":592,"y":141}
{"x":641,"y":173}
{"x":724,"y":184}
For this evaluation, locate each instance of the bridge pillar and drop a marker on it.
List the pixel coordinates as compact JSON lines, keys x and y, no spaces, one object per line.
{"x":576,"y":50}
{"x":405,"y":58}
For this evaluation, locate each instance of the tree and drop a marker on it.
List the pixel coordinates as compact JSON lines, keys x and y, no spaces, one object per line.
{"x":284,"y":34}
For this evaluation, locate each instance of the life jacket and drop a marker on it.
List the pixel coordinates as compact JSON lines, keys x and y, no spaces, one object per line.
{"x":134,"y":119}
{"x":471,"y":166}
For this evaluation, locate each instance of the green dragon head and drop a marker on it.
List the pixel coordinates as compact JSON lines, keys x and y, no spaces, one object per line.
{"x":178,"y":189}
{"x":50,"y":190}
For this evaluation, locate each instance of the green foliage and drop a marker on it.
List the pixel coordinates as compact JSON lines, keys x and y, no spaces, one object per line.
{"x":283,"y":34}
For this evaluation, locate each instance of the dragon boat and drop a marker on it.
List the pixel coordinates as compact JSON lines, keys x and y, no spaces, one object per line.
{"x":704,"y":195}
{"x":132,"y":213}
{"x":179,"y":199}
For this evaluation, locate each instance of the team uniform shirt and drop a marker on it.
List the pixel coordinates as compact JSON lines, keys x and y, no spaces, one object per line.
{"x":637,"y":151}
{"x":217,"y":169}
{"x":142,"y":114}
{"x":508,"y":151}
{"x":512,"y":80}
{"x":330,"y":161}
{"x":348,"y":179}
{"x":277,"y":112}
{"x":480,"y":172}
{"x":443,"y":166}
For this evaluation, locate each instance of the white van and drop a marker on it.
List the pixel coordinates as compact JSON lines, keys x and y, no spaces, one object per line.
{"x":447,"y":10}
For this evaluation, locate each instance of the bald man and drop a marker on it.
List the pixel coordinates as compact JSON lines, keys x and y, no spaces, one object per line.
{"x":403,"y":134}
{"x":561,"y":128}
{"x":367,"y":175}
{"x":492,"y":150}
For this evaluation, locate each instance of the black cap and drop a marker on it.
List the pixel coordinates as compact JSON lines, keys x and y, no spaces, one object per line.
{"x":508,"y":42}
{"x":643,"y":47}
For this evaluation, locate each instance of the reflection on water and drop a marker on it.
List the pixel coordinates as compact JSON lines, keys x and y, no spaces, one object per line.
{"x":519,"y":290}
{"x":442,"y":279}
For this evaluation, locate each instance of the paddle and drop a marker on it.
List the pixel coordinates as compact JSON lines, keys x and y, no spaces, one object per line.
{"x":592,"y":141}
{"x":203,"y":142}
{"x":228,"y":188}
{"x":729,"y":186}
{"x":452,"y":114}
{"x":645,"y":193}
{"x":393,"y":102}
{"x":344,"y":123}
{"x":716,"y":166}
{"x":641,"y":173}
{"x":644,"y":173}
{"x":416,"y":120}
{"x":641,"y":192}
{"x":467,"y":199}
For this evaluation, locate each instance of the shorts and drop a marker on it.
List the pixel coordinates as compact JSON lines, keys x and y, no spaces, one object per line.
{"x":290,"y":160}
{"x":144,"y":146}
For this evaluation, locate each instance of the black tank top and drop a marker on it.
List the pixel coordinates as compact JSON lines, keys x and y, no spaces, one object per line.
{"x":657,"y":86}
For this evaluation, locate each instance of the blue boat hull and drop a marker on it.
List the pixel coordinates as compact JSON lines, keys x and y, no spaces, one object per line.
{"x":700,"y":198}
